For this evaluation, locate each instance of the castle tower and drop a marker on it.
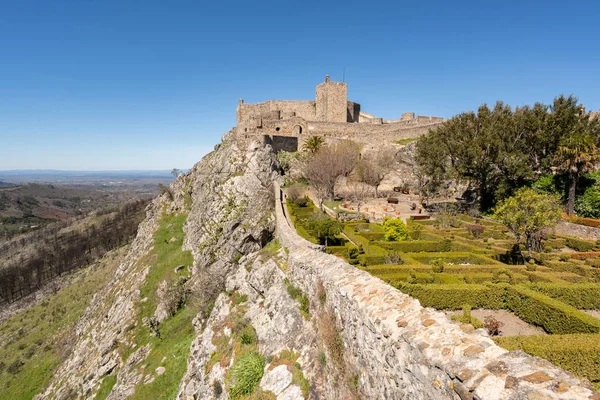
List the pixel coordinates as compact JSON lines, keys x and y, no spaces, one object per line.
{"x":332,"y":101}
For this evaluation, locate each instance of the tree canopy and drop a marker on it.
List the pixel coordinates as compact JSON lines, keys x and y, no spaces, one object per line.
{"x":498,"y":150}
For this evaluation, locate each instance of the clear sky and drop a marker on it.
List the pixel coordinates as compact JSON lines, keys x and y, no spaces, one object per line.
{"x":125,"y":84}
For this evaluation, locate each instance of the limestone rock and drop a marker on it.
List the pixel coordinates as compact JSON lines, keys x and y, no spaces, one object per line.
{"x":276,"y":380}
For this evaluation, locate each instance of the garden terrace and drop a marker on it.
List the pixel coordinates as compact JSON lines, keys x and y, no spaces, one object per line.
{"x":469,"y":264}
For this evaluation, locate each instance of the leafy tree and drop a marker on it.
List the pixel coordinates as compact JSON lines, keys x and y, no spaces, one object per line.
{"x":526,"y":214}
{"x":588,"y":203}
{"x":395,"y":229}
{"x":175,"y":172}
{"x":313,"y":144}
{"x":499,"y":150}
{"x":325,"y":228}
{"x":576,"y":154}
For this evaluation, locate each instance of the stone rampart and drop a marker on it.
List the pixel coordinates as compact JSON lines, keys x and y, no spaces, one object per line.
{"x":402,"y":350}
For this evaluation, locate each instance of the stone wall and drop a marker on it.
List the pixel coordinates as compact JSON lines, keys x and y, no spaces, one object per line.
{"x":301,"y":108}
{"x":404,"y":351}
{"x":580,"y":231}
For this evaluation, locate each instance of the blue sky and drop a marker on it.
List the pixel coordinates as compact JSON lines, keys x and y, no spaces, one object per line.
{"x":91,"y":84}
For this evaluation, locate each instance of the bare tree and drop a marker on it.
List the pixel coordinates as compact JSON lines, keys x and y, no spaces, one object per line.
{"x":373,"y":170}
{"x":327,"y":165}
{"x":358,"y":192}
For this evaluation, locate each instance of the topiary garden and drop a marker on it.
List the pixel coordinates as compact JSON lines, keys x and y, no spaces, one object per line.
{"x":471,"y":264}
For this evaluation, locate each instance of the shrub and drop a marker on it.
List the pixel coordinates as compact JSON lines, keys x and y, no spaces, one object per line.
{"x":217,"y":388}
{"x":245,"y":374}
{"x":437,"y":265}
{"x":296,"y":293}
{"x":531,"y":265}
{"x":565,"y":257}
{"x":15,"y":366}
{"x":301,"y":201}
{"x":475,"y":229}
{"x":395,"y":229}
{"x":492,"y":325}
{"x":393,"y":258}
{"x":579,"y":244}
{"x":467,"y":318}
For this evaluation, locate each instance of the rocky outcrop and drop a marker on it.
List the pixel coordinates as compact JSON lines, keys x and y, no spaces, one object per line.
{"x":228,"y":199}
{"x":580,"y":231}
{"x":277,"y":321}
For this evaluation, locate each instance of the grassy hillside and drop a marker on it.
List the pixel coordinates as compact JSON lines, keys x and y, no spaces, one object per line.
{"x":34,"y":341}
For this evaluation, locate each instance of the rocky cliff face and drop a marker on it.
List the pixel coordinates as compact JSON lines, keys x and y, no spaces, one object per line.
{"x":221,"y":212}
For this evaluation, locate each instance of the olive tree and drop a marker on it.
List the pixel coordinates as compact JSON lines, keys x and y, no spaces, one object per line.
{"x":526,"y":214}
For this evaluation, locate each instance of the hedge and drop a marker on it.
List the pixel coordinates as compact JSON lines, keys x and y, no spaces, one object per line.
{"x":455,"y":258}
{"x":355,"y":237}
{"x":578,"y":353}
{"x":594,"y":223}
{"x":582,"y":296}
{"x":453,"y":297}
{"x":376,"y":236}
{"x":580,"y":244}
{"x":552,"y":315}
{"x":585,"y":256}
{"x":415,"y":246}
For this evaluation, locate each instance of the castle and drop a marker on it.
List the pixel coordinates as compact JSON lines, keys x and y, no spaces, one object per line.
{"x":286,"y":123}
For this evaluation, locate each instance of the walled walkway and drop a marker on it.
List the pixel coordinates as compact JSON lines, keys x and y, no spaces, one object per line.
{"x":401,"y":350}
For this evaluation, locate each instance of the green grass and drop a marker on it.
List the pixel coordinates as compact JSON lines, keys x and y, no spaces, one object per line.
{"x":177,"y":332}
{"x":245,"y":374}
{"x":45,"y":330}
{"x":105,"y":388}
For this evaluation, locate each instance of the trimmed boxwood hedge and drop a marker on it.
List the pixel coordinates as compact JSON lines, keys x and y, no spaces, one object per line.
{"x":376,"y":236}
{"x":453,"y":297}
{"x":580,"y":244}
{"x":578,"y":353}
{"x":582,"y":296}
{"x":414,"y":246}
{"x":552,"y":315}
{"x":355,"y":237}
{"x":454,"y":258}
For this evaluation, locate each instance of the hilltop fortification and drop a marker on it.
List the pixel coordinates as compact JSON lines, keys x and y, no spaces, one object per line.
{"x":286,"y":123}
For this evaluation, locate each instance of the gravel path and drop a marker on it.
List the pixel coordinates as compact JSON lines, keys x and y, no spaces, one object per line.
{"x":512,"y":325}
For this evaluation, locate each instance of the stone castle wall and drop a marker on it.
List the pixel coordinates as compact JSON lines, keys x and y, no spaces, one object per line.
{"x":404,"y":351}
{"x":301,"y":108}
